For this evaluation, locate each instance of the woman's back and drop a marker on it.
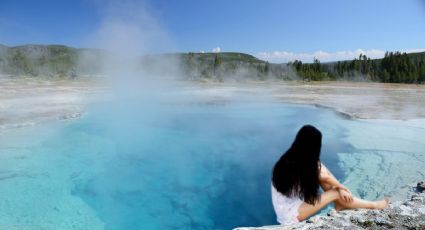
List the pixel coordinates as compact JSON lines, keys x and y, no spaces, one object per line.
{"x":286,"y":208}
{"x":296,"y":175}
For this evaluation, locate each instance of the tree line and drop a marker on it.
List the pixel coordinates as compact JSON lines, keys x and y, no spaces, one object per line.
{"x":68,"y":62}
{"x":395,"y":67}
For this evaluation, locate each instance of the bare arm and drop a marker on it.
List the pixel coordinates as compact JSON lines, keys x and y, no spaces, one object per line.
{"x":327,"y":177}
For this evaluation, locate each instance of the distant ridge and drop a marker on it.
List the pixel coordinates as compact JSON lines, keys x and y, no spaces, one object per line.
{"x":59,"y":61}
{"x":46,"y":60}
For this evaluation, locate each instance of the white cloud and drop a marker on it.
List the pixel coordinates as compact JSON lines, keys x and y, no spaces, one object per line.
{"x":284,"y":56}
{"x":216,"y":50}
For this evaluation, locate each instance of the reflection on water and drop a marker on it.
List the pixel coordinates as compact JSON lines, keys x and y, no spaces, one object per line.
{"x":185,"y":167}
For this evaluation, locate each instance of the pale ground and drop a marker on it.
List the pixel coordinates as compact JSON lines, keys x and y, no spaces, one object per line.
{"x":27,"y":101}
{"x":358,"y":100}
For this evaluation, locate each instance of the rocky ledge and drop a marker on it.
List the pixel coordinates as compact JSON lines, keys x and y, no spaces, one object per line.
{"x":409,"y":214}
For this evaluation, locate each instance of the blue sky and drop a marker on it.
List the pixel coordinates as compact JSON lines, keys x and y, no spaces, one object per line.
{"x":276,"y":30}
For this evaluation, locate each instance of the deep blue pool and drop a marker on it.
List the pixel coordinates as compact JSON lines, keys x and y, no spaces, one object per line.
{"x":187,"y":166}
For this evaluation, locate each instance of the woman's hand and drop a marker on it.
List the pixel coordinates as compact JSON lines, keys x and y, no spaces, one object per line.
{"x":342,"y":187}
{"x":327,"y":177}
{"x":345,"y":195}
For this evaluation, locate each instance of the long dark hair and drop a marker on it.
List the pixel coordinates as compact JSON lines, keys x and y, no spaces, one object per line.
{"x":296,"y":173}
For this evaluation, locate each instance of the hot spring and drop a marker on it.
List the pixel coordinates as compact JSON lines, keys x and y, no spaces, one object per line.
{"x":200,"y":165}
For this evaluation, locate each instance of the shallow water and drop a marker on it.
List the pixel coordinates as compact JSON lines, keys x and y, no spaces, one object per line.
{"x":191,"y":166}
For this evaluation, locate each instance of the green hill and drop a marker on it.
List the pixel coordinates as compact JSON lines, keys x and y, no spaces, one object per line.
{"x":67,"y":62}
{"x":219,"y":66}
{"x":58,"y":61}
{"x":46,"y":60}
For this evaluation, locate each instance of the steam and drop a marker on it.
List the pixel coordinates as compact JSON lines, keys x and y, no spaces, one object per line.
{"x":128,"y":33}
{"x":146,"y":153}
{"x":128,"y":29}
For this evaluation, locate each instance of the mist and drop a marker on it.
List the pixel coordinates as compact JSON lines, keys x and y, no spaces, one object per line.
{"x":130,"y":134}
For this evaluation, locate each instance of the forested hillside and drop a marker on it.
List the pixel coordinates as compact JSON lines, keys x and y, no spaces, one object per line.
{"x":54,"y":61}
{"x":57,"y":61}
{"x":395,"y":67}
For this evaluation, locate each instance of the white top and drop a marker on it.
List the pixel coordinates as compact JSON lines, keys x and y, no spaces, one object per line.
{"x":286,"y":208}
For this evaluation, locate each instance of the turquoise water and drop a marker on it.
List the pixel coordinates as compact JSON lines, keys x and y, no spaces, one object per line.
{"x":187,"y":166}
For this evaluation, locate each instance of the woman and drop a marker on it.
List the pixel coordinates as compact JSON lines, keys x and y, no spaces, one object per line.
{"x":297,"y":177}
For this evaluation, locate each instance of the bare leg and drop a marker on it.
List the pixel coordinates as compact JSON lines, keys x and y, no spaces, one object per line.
{"x":306,"y":210}
{"x":357,"y":202}
{"x":326,"y":187}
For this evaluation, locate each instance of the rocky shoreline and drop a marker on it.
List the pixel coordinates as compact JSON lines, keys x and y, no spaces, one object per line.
{"x":408,"y":214}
